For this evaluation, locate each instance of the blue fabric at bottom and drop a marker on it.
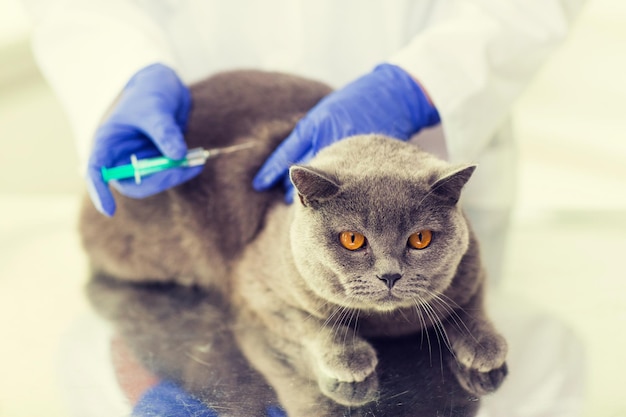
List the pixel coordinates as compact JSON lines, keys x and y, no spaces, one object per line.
{"x":273,"y":411}
{"x":167,"y":399}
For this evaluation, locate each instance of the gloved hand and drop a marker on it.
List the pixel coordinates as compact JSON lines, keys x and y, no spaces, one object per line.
{"x":386,"y":101}
{"x":148,"y":120}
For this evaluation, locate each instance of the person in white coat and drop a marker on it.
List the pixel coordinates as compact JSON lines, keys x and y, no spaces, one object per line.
{"x":120,"y":69}
{"x":471,"y":58}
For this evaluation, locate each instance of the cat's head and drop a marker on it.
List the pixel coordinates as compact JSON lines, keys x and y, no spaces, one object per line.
{"x":377,"y":225}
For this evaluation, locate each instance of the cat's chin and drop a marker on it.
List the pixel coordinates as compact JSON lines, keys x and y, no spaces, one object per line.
{"x":390,"y":302}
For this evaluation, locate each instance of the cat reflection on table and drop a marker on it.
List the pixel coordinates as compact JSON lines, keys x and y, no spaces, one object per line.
{"x":364,"y":297}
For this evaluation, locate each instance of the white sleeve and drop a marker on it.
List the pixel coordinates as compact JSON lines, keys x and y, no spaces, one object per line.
{"x":88,"y":50}
{"x":476,"y":56}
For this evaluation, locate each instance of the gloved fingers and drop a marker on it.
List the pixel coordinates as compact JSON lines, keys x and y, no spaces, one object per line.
{"x":156,"y":103}
{"x":99,"y":192}
{"x":114,"y":143}
{"x":155,"y":183}
{"x":275,"y":168}
{"x":163,"y":130}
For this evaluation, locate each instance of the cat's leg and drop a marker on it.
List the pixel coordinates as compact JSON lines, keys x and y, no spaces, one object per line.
{"x":345,"y":365}
{"x":479,"y":350}
{"x":333,"y":360}
{"x":287,"y":367}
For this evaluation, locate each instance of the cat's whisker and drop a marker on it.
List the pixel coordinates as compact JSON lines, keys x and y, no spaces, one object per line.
{"x":327,"y":320}
{"x":333,"y":314}
{"x":340,"y":324}
{"x":334,"y":329}
{"x":418,"y":303}
{"x":340,"y":314}
{"x":347,"y":326}
{"x":334,"y":317}
{"x":454,"y":315}
{"x":454,"y":304}
{"x":316,"y":313}
{"x":356,"y":324}
{"x":444,"y":332}
{"x":439,"y":330}
{"x":451,"y":314}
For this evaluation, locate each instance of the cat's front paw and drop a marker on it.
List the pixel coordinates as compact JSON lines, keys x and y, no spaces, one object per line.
{"x":353,"y":361}
{"x":484,"y":353}
{"x":480,"y":383}
{"x":351,"y":394}
{"x":346,"y":371}
{"x":480,"y":363}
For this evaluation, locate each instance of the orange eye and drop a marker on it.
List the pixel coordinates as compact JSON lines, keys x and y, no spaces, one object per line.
{"x":421,"y":239}
{"x":351,"y":240}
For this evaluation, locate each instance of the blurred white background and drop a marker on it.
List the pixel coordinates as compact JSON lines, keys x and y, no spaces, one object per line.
{"x":566,"y":253}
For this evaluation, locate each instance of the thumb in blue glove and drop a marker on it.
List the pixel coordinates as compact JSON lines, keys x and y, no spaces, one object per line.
{"x":147,"y":121}
{"x":386,"y":101}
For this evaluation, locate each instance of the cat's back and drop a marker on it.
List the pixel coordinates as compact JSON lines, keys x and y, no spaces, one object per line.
{"x":189,"y":233}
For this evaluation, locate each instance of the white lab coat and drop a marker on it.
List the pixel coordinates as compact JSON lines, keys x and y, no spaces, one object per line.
{"x":474,"y":58}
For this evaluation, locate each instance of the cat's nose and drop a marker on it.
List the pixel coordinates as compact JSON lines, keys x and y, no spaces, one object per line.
{"x":390,"y":279}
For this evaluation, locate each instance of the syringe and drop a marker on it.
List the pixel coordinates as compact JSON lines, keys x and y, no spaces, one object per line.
{"x":139,"y":168}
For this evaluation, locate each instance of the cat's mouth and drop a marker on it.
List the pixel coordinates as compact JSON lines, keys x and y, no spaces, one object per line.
{"x":390,"y":301}
{"x":389,"y":297}
{"x":382,"y":300}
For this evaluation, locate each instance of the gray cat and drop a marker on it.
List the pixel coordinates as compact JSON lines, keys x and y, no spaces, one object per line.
{"x":364,"y":297}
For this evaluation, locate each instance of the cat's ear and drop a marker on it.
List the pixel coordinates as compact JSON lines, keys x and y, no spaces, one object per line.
{"x":449,"y":186}
{"x":312,"y":185}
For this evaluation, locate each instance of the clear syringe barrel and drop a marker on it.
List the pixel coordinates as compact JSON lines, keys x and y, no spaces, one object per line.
{"x":139,"y":168}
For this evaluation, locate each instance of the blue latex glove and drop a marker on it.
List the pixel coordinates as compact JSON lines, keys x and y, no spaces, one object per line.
{"x":386,"y":101}
{"x":168,"y":399}
{"x":148,"y":120}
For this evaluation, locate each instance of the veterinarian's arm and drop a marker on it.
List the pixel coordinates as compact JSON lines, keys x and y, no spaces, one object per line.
{"x":387,"y":101}
{"x":88,"y":51}
{"x":476,"y":57}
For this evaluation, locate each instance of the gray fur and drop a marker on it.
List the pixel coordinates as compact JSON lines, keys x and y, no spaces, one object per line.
{"x":312,"y":317}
